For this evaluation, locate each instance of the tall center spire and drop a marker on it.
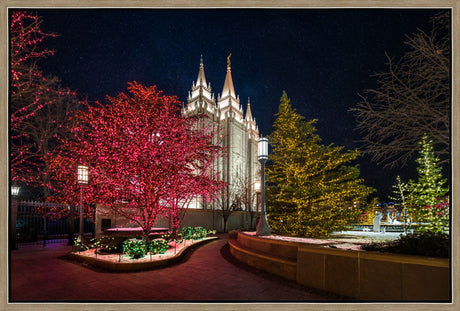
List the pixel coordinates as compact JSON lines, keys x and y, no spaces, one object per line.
{"x":228,"y":90}
{"x":201,"y":80}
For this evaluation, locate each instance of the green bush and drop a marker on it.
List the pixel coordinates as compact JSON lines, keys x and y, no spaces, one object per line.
{"x":420,"y":244}
{"x":134,"y":248}
{"x":186,"y":233}
{"x":190,"y":233}
{"x":159,"y":246}
{"x":199,"y":233}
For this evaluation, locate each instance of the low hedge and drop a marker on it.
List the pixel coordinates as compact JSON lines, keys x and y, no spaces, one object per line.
{"x":420,"y":244}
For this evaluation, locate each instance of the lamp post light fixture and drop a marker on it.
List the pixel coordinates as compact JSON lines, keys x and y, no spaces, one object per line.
{"x":14,"y":216}
{"x":82,"y":179}
{"x":257,"y":186}
{"x":257,"y":191}
{"x":262,"y":227}
{"x":15,"y":191}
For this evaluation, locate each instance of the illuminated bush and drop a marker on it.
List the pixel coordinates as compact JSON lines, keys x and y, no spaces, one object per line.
{"x":190,"y":233}
{"x":134,"y":248}
{"x":199,"y":233}
{"x":158,"y":246}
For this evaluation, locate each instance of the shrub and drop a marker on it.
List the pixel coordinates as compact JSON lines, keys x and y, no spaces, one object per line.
{"x":158,"y":246}
{"x":186,"y":233}
{"x":190,"y":233}
{"x":80,"y":245}
{"x":421,"y":244}
{"x":134,"y":248}
{"x":199,"y":233}
{"x":108,"y":244}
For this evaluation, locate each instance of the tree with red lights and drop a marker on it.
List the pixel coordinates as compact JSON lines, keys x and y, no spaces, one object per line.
{"x":28,"y":91}
{"x":145,"y":160}
{"x":40,"y":106}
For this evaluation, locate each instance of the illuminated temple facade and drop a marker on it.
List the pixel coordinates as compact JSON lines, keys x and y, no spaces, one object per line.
{"x":239,"y":135}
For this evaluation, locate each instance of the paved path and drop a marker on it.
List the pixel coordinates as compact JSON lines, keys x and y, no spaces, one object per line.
{"x":208,"y":274}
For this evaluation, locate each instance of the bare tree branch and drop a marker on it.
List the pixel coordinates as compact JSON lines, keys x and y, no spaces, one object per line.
{"x":411,"y":99}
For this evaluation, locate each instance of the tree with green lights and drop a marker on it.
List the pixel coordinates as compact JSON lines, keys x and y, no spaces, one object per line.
{"x":310,"y":185}
{"x":428,"y":193}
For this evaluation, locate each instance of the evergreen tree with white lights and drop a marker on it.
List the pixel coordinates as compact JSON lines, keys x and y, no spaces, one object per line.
{"x":429,"y":192}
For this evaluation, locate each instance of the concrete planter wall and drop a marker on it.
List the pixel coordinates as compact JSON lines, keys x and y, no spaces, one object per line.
{"x":365,"y":276}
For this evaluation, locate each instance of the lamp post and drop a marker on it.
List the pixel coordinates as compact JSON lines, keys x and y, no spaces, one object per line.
{"x":262,"y":227}
{"x":14,"y":216}
{"x":257,"y":191}
{"x":82,"y":178}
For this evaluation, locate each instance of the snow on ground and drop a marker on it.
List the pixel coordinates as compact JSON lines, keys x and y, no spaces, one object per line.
{"x":350,"y":240}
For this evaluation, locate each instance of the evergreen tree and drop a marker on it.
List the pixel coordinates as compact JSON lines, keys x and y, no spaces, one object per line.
{"x":309,"y":184}
{"x":428,"y":193}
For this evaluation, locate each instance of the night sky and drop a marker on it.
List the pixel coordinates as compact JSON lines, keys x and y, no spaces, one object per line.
{"x":322,"y":58}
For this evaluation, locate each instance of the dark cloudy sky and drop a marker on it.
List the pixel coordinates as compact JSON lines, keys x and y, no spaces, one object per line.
{"x":322,"y":58}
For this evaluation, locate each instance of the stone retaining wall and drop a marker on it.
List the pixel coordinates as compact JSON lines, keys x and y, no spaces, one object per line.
{"x":366,"y":276}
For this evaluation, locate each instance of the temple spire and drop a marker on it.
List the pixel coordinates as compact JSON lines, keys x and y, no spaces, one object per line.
{"x":228,"y":84}
{"x":248,"y":111}
{"x":201,"y":80}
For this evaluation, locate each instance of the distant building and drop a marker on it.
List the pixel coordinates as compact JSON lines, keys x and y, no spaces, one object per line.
{"x":239,"y":135}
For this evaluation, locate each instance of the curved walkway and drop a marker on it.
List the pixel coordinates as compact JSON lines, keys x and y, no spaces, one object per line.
{"x":209,"y":273}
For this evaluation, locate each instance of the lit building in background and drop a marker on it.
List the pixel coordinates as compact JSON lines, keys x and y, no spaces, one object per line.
{"x":238,"y":134}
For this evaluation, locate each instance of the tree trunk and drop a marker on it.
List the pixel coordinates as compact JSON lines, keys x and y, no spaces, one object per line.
{"x":225,"y":225}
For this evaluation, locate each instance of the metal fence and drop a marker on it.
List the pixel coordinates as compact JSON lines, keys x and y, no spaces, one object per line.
{"x":46,"y":223}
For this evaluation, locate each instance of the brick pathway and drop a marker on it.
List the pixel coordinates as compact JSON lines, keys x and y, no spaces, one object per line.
{"x":208,"y":274}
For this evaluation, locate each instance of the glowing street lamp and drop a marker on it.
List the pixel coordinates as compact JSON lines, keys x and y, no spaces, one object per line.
{"x":15,"y":191}
{"x":82,"y":178}
{"x":257,"y":186}
{"x":14,"y":216}
{"x":262,"y":227}
{"x":257,"y":191}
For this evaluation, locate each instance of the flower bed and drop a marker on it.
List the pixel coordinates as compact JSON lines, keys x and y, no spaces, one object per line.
{"x":125,"y":263}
